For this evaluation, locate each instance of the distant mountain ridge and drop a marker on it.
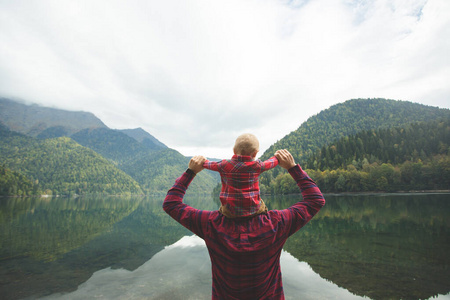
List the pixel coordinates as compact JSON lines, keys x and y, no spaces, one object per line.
{"x":44,"y":122}
{"x":143,"y":137}
{"x":133,"y":151}
{"x":33,"y":119}
{"x":351,"y":117}
{"x":153,"y":166}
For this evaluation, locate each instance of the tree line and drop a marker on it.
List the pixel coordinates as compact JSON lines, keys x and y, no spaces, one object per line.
{"x":59,"y":166}
{"x":107,"y":162}
{"x":413,"y":157}
{"x":385,"y":177}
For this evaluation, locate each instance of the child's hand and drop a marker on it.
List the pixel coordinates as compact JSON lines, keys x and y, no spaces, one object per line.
{"x":196,"y":163}
{"x":285,"y":159}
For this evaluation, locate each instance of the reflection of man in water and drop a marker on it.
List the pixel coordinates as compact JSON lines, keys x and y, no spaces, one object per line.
{"x":245,"y":252}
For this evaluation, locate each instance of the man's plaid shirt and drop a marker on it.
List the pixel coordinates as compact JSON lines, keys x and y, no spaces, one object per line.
{"x":245,"y":252}
{"x":240,"y":184}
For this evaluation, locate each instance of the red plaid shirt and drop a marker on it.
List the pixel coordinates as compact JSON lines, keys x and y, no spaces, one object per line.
{"x":245,"y":252}
{"x":240,"y":184}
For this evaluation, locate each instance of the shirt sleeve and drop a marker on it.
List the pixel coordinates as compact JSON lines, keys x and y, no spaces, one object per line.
{"x":211,"y":165}
{"x":303,"y":211}
{"x":269,"y":164}
{"x":193,"y":219}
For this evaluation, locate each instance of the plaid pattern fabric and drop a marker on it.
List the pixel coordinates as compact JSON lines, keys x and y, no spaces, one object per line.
{"x":245,"y":252}
{"x":240,"y":185}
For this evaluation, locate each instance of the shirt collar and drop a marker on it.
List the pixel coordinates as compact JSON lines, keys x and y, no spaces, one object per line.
{"x":242,"y":158}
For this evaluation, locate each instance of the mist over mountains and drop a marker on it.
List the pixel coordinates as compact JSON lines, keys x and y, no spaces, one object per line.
{"x":26,"y":131}
{"x":64,"y":152}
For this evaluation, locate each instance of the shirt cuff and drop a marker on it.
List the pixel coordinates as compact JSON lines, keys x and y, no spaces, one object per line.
{"x":189,"y":171}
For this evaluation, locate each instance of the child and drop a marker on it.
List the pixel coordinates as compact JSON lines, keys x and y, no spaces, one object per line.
{"x":240,"y":195}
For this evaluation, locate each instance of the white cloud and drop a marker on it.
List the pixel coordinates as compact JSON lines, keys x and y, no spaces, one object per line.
{"x":196,"y":74}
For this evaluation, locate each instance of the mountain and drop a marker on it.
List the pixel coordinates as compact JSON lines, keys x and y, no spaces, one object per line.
{"x":155,"y":168}
{"x":34,"y":120}
{"x":415,"y":156}
{"x":351,"y":117}
{"x":345,"y":119}
{"x":152,"y":167}
{"x":144,"y":137}
{"x":133,"y":151}
{"x":62,"y":166}
{"x":395,"y":145}
{"x":44,"y":122}
{"x":158,"y":170}
{"x":111,"y":144}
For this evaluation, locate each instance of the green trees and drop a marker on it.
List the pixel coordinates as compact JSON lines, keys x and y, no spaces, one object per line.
{"x":396,"y":145}
{"x":431,"y":174}
{"x":349,"y":118}
{"x":385,"y":177}
{"x":358,"y":145}
{"x":369,"y":145}
{"x":14,"y":183}
{"x":103,"y":160}
{"x":61,"y":166}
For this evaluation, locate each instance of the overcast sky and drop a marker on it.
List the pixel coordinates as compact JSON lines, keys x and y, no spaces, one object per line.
{"x":196,"y":73}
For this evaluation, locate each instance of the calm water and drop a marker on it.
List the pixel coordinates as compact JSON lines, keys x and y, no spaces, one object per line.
{"x":357,"y":247}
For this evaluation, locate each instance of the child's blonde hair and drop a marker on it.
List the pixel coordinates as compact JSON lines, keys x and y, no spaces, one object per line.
{"x":246,"y":144}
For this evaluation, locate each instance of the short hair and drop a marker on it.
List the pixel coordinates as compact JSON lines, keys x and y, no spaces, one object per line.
{"x":246,"y":144}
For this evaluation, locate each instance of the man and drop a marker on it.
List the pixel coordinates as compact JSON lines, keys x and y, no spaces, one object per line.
{"x":245,"y":252}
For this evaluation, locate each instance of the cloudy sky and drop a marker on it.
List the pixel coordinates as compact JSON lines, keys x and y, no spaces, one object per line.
{"x":197,"y":73}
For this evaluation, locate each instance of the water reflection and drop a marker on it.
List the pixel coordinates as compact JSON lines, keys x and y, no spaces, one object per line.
{"x":182,"y":271}
{"x":55,"y":244}
{"x":381,"y":247}
{"x":46,"y":228}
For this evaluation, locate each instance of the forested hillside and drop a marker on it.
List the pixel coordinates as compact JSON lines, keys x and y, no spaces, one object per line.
{"x":342,"y":120}
{"x":349,"y":118}
{"x":412,"y":142}
{"x":61,"y":166}
{"x":111,"y":144}
{"x":158,"y":170}
{"x":413,"y":157}
{"x":152,"y":165}
{"x":358,"y":145}
{"x":14,"y":183}
{"x":155,"y":167}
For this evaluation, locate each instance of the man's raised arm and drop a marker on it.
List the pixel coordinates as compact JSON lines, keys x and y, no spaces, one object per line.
{"x":173,"y":205}
{"x":303,"y":211}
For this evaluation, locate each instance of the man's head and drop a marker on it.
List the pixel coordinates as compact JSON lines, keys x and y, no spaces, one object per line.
{"x":246,"y":144}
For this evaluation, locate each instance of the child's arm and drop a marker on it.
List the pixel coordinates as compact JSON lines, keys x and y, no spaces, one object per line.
{"x":211,"y":165}
{"x":269,"y":164}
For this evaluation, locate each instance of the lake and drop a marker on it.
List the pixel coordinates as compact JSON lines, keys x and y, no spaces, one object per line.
{"x":384,"y":246}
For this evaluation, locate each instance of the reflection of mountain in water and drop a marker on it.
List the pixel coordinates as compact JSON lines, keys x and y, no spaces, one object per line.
{"x":383,"y":247}
{"x":46,"y":228}
{"x":182,"y":271}
{"x":391,"y":247}
{"x":56,"y":244}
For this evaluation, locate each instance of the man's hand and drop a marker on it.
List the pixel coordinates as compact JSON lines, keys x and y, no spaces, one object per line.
{"x":285,"y":159}
{"x":196,"y":163}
